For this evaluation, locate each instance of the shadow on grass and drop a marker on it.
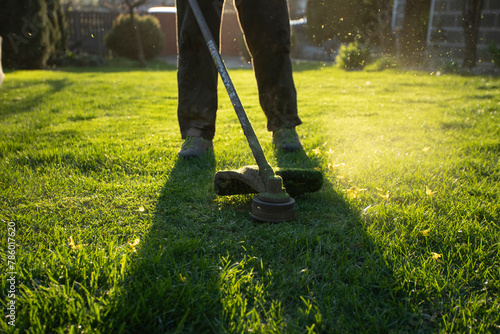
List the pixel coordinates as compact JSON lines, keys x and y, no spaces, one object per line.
{"x":172,"y":283}
{"x":205,"y":266}
{"x":22,"y":103}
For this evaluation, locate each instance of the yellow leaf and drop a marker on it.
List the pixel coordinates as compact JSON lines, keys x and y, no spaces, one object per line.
{"x":381,"y":190}
{"x":183,"y":279}
{"x":316,"y":151}
{"x":436,"y":256}
{"x":71,"y":242}
{"x":334,"y":166}
{"x":429,"y":192}
{"x":73,"y":245}
{"x":354,"y":192}
{"x":386,"y":196}
{"x":426,"y":148}
{"x":133,"y":244}
{"x":425,"y":233}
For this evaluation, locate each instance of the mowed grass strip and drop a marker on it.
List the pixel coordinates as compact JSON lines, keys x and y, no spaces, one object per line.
{"x":115,"y":234}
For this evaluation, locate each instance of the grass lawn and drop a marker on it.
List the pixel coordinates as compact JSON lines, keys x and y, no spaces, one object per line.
{"x":107,"y":231}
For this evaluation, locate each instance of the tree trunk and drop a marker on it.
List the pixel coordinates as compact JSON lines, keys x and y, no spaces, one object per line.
{"x":471,"y":20}
{"x":414,"y":30}
{"x":138,"y":40}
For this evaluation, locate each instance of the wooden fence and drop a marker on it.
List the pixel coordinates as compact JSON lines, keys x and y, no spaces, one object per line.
{"x":86,"y":30}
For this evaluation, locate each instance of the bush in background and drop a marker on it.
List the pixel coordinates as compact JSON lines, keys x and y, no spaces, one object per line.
{"x":382,"y":63}
{"x":24,"y":26}
{"x":352,"y":56}
{"x":33,"y":31}
{"x":449,"y":66}
{"x":121,"y":39}
{"x":495,"y":53}
{"x":76,"y":59}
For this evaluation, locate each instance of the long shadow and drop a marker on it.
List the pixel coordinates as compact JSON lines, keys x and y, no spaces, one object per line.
{"x":20,"y":104}
{"x":203,"y":254}
{"x":350,"y":279}
{"x":173,"y":283}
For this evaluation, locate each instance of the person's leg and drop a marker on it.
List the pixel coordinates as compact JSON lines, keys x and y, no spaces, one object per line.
{"x":196,"y":74}
{"x":1,"y":71}
{"x":266,"y":27}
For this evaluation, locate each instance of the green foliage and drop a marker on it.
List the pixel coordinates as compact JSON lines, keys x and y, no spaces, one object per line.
{"x":33,"y":32}
{"x":495,"y":53}
{"x":381,"y":64}
{"x":26,"y":31}
{"x":449,"y":66}
{"x":414,"y":31}
{"x":352,"y":56}
{"x":121,"y":39}
{"x":58,"y":27}
{"x":72,"y":59}
{"x":343,"y":20}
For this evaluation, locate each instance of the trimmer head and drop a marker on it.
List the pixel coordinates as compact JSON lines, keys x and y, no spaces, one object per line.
{"x":247,"y":180}
{"x":274,"y":206}
{"x":265,"y":211}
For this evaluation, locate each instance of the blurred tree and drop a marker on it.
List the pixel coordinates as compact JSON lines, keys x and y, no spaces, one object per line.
{"x":365,"y":20}
{"x":33,"y":31}
{"x":57,"y":26}
{"x":132,"y":4}
{"x":471,"y":21}
{"x":336,"y":19}
{"x":27,"y":39}
{"x":414,"y":30}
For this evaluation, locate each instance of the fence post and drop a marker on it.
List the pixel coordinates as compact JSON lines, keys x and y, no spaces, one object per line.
{"x":77,"y":25}
{"x":87,"y":29}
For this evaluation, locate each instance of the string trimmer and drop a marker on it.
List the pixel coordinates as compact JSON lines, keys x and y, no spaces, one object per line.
{"x":273,"y":203}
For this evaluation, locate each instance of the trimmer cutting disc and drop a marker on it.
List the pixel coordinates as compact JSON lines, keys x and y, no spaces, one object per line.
{"x":272,"y":212}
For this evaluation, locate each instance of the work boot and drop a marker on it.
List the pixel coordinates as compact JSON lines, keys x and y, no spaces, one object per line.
{"x":287,"y":140}
{"x":194,"y":147}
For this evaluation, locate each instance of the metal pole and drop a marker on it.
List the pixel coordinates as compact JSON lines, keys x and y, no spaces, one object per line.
{"x":264,"y":167}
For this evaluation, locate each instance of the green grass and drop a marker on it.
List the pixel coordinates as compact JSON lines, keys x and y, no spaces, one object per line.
{"x":403,"y":236}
